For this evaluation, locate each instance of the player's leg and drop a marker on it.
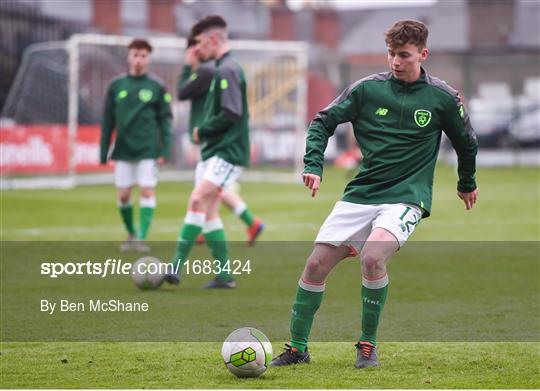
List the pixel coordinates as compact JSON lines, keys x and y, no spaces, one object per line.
{"x":379,"y":247}
{"x":126,"y":209}
{"x":235,"y":203}
{"x":124,"y":178}
{"x":214,"y":235}
{"x":222,"y":174}
{"x":147,"y":180}
{"x":392,"y":228}
{"x":147,"y":203}
{"x":310,"y":290}
{"x":201,"y":196}
{"x":308,"y":299}
{"x":192,"y":227}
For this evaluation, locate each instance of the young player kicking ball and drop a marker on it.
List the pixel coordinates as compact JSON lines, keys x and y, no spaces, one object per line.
{"x":397,"y":118}
{"x":138,"y":107}
{"x":193,"y":86}
{"x":224,"y":138}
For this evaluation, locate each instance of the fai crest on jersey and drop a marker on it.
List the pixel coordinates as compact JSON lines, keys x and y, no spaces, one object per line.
{"x":145,"y":95}
{"x":422,"y":117}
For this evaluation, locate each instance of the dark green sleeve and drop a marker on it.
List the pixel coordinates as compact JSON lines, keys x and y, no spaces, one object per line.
{"x":343,"y":109}
{"x":215,"y":124}
{"x":107,"y":124}
{"x":228,"y":86}
{"x":184,"y":77}
{"x":164,"y":116}
{"x":457,"y":126}
{"x":195,"y":84}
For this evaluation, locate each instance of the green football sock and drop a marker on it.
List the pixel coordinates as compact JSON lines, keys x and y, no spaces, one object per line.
{"x":373,"y":299}
{"x":126,"y":211}
{"x":214,"y":235}
{"x":193,"y":225}
{"x":147,"y":206}
{"x":307,"y":302}
{"x":247,"y":217}
{"x":243,"y":212}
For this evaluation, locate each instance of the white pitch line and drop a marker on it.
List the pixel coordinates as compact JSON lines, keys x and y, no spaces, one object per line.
{"x":157,"y":227}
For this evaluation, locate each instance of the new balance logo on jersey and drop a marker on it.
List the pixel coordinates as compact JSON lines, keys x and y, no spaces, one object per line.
{"x":381,"y":111}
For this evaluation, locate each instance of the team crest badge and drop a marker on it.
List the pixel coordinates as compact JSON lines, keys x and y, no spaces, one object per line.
{"x":145,"y":95}
{"x":422,"y":117}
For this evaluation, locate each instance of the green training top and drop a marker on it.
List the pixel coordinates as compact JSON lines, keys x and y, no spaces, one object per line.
{"x":398,"y":128}
{"x":224,"y":131}
{"x":138,"y":107}
{"x":194,"y":85}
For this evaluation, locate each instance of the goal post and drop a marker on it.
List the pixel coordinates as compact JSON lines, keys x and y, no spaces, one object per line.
{"x":276,"y":74}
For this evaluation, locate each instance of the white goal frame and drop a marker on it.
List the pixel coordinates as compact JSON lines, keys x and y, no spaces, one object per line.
{"x":72,"y":46}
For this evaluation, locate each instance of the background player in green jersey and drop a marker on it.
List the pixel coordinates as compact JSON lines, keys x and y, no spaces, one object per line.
{"x":194,"y":84}
{"x":224,"y":138}
{"x":397,"y":118}
{"x":138,"y":107}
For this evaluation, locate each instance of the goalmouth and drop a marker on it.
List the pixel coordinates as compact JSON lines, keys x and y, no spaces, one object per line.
{"x":50,"y":123}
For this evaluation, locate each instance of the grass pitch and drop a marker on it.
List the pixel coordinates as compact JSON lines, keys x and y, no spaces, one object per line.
{"x":507,"y":211}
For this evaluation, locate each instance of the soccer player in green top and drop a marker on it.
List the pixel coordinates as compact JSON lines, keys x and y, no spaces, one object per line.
{"x":397,"y":117}
{"x":138,"y":107}
{"x":193,"y":85}
{"x":224,"y":138}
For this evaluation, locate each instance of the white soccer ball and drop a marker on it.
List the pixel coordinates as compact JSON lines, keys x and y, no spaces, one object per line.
{"x":247,"y":352}
{"x":146,"y":273}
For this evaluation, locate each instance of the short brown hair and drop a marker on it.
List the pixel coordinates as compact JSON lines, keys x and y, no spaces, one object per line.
{"x":206,"y":23}
{"x":191,"y":41}
{"x":407,"y":31}
{"x":139,"y":44}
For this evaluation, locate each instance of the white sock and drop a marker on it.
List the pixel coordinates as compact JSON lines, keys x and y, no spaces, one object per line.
{"x":240,"y":208}
{"x":149,"y":202}
{"x":212,"y":225}
{"x":375,"y":284}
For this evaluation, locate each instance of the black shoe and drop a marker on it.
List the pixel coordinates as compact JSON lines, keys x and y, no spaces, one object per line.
{"x":172,"y":278}
{"x":366,"y":355}
{"x":291,"y":356}
{"x":218,"y":283}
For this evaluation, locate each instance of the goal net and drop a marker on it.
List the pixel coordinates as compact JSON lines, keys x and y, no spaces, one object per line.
{"x":50,"y":123}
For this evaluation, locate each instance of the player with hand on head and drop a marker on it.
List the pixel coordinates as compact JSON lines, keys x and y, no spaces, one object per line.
{"x":223,"y":135}
{"x":193,"y":86}
{"x":137,"y":107}
{"x":398,"y":118}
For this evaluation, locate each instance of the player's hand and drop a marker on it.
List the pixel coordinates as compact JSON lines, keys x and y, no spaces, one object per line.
{"x":190,"y":57}
{"x":312,"y":181}
{"x":161,"y":161}
{"x":195,"y":136}
{"x":469,"y":198}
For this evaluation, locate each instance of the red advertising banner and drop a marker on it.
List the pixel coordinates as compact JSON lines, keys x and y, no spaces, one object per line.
{"x":43,"y":149}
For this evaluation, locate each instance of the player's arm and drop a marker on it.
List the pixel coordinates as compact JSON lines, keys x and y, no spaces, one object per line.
{"x":343,"y":109}
{"x":195,"y":82}
{"x":231,"y":110}
{"x":457,"y":126}
{"x":164,"y":116}
{"x":107,"y":125}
